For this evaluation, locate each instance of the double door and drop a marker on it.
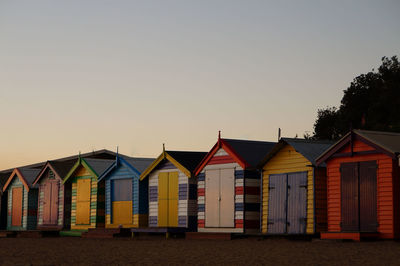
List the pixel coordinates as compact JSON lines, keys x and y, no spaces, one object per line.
{"x":220,"y":198}
{"x":168,"y":190}
{"x":50,"y":202}
{"x":359,"y":197}
{"x":287,"y":203}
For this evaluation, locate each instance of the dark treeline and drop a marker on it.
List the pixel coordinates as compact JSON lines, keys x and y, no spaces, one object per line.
{"x":371,"y":102}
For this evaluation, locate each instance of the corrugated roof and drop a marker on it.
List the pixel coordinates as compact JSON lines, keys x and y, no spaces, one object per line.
{"x":140,"y":164}
{"x":29,"y":174}
{"x":251,"y":151}
{"x":188,"y":159}
{"x":99,"y":165}
{"x":389,"y":141}
{"x":310,"y":149}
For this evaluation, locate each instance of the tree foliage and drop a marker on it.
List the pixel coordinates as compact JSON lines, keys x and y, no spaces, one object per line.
{"x":371,"y":102}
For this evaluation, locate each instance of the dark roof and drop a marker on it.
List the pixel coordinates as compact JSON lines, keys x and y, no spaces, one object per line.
{"x":100,"y":154}
{"x":99,"y":165}
{"x":251,"y":151}
{"x":140,"y":164}
{"x":3,"y":179}
{"x":188,"y":159}
{"x":62,"y":167}
{"x":389,"y":141}
{"x":29,"y":174}
{"x":310,"y":149}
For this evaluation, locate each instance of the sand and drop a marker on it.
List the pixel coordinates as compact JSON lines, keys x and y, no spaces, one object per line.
{"x":252,"y":251}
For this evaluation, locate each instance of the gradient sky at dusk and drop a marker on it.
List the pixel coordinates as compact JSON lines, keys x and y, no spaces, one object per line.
{"x":84,"y":75}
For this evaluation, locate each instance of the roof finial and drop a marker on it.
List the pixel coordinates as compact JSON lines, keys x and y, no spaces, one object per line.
{"x":117,"y":150}
{"x":163,"y":147}
{"x":279,"y":134}
{"x":79,"y":156}
{"x":219,"y":134}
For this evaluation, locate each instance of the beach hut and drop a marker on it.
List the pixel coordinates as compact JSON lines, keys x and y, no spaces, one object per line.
{"x":54,"y":210}
{"x":22,"y":199}
{"x":172,"y":190}
{"x":294,"y":188}
{"x":126,"y":197}
{"x":228,"y":191}
{"x":363,"y":186}
{"x":88,"y":203}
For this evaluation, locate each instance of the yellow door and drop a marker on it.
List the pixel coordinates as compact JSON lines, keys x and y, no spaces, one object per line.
{"x":122,"y":212}
{"x":173,"y":199}
{"x":83,"y":201}
{"x":163,"y":199}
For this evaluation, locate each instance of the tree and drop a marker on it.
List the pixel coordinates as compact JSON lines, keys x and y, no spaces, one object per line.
{"x":371,"y":102}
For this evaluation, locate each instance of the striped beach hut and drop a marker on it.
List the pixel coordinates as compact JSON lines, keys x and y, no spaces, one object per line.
{"x":126,"y":197}
{"x":363,"y":186}
{"x":54,"y":210}
{"x":229,"y":186}
{"x":172,"y":190}
{"x":88,"y":195}
{"x":22,"y":199}
{"x":294,"y":188}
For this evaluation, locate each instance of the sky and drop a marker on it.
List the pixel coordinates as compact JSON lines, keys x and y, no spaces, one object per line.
{"x":77,"y":76}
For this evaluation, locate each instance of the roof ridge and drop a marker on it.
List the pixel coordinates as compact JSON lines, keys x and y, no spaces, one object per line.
{"x":377,"y":132}
{"x":263,"y":141}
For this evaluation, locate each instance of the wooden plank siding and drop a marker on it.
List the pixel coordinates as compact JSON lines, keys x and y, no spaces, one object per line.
{"x":48,"y":176}
{"x":385,"y":190}
{"x":246,"y":196}
{"x":139,"y":215}
{"x":97,"y":200}
{"x":288,"y":160}
{"x":187,"y":207}
{"x":29,"y":207}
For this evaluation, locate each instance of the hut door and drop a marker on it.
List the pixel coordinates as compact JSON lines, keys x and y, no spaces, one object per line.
{"x":368,"y":193}
{"x":227,"y":198}
{"x":212,"y":198}
{"x":122,"y":201}
{"x":220,"y":198}
{"x":47,"y":203}
{"x":297,"y":203}
{"x":54,"y":202}
{"x":277,"y":202}
{"x":83,"y":201}
{"x":16,"y":218}
{"x":50,"y":203}
{"x":168,"y":199}
{"x":349,"y":195}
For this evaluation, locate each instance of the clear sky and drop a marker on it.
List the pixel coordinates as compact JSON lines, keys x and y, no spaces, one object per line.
{"x":84,"y":75}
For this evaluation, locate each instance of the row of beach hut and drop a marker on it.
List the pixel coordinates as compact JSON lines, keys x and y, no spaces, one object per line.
{"x":344,"y":190}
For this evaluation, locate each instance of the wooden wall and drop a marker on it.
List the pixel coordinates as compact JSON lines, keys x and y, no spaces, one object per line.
{"x":247,"y":195}
{"x":50,"y":174}
{"x":97,"y":200}
{"x":385,"y":195}
{"x":29,"y":206}
{"x":287,"y":160}
{"x":187,"y":207}
{"x":139,"y":215}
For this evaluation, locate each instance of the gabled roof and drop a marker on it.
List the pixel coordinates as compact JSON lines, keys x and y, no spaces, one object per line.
{"x":137,"y":165}
{"x":247,"y":153}
{"x":26,"y":175}
{"x":95,"y":166}
{"x":100,"y":154}
{"x":186,"y":161}
{"x":60,"y":169}
{"x":385,"y":142}
{"x":310,"y":149}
